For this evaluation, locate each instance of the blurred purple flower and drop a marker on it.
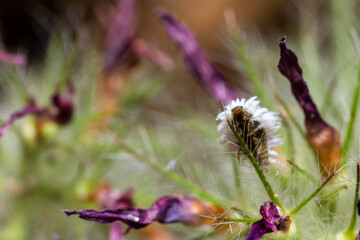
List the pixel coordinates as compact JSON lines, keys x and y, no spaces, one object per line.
{"x":167,"y":209}
{"x":273,"y":221}
{"x":119,"y":32}
{"x":324,"y":139}
{"x":63,"y":106}
{"x":116,"y":232}
{"x":60,"y":113}
{"x":121,"y":48}
{"x":30,"y":108}
{"x":56,"y":237}
{"x":196,"y":60}
{"x":15,"y":59}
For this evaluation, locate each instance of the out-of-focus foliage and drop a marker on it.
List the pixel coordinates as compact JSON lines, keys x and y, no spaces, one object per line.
{"x":45,"y":168}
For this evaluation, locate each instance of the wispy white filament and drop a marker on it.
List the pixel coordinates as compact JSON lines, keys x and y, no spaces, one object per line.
{"x":269,"y":122}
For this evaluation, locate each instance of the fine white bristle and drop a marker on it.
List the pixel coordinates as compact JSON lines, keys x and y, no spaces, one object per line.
{"x":269,"y":122}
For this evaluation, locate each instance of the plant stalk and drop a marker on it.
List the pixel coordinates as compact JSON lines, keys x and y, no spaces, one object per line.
{"x":258,"y":170}
{"x":306,"y":200}
{"x":353,"y":219}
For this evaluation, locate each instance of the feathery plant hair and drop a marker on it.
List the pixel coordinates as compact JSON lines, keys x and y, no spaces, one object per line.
{"x":291,"y":184}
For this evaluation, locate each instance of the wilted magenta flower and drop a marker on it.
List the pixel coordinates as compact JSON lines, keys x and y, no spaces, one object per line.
{"x":323,"y":138}
{"x":167,"y":209}
{"x":15,"y":59}
{"x":273,"y":221}
{"x":196,"y":60}
{"x":109,"y":198}
{"x":121,"y":48}
{"x":61,"y":112}
{"x":63,"y":106}
{"x":30,"y":108}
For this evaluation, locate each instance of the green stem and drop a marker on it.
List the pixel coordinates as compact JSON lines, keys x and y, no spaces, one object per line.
{"x":351,"y":125}
{"x":236,"y":178}
{"x":295,"y":122}
{"x":249,"y":68}
{"x":353,"y":219}
{"x":329,"y":95}
{"x":245,"y":220}
{"x":261,"y":175}
{"x":299,"y":169}
{"x":290,"y":138}
{"x":291,"y":116}
{"x":173,"y":176}
{"x":306,"y":200}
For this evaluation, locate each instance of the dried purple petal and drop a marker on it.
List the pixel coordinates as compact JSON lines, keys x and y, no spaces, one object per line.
{"x":273,"y":221}
{"x":119,"y":32}
{"x":61,"y":114}
{"x":116,"y":232}
{"x":167,"y":209}
{"x":64,"y":108}
{"x":56,"y":237}
{"x":196,"y":60}
{"x":121,"y":47}
{"x":15,"y":59}
{"x":323,"y":138}
{"x":142,"y":48}
{"x":30,"y":108}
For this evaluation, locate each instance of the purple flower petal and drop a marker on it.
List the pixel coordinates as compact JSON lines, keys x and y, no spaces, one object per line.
{"x":121,"y":47}
{"x":63,"y":105}
{"x":119,"y":33}
{"x":62,"y":114}
{"x":196,"y":60}
{"x":324,"y":139}
{"x":142,"y":48}
{"x":15,"y":59}
{"x":273,"y":221}
{"x":358,"y":236}
{"x":116,"y":232}
{"x":30,"y":108}
{"x":167,"y":209}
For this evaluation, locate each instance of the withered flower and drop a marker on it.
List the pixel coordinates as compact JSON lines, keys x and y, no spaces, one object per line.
{"x":121,"y":47}
{"x":273,"y":220}
{"x":199,"y":65}
{"x":61,"y":111}
{"x":167,"y":209}
{"x":323,"y":138}
{"x":15,"y":59}
{"x":122,"y":51}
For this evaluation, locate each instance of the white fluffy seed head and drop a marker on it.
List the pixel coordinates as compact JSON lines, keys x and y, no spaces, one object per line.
{"x":267,"y":122}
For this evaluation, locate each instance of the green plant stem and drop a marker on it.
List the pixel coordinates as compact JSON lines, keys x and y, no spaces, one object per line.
{"x":351,"y":125}
{"x":328,"y":97}
{"x":245,"y":220}
{"x":261,"y":175}
{"x":306,"y":200}
{"x":291,"y":116}
{"x":173,"y":176}
{"x":249,"y":68}
{"x":236,"y":178}
{"x":295,"y":122}
{"x":350,"y":230}
{"x":290,"y":138}
{"x":299,"y":169}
